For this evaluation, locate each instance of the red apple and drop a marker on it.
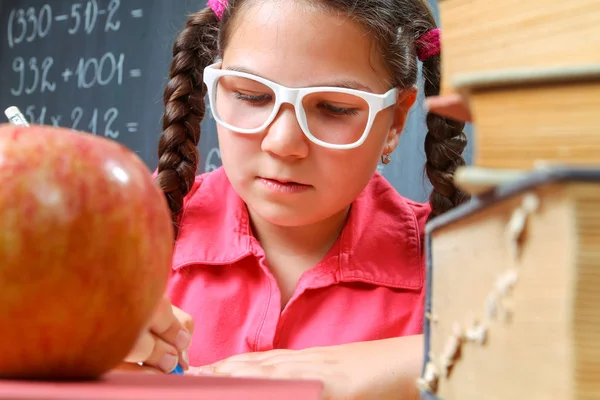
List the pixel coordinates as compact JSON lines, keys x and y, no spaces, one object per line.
{"x":85,"y":250}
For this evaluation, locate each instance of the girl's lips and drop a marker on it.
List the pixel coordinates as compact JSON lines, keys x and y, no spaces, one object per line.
{"x":283,"y":186}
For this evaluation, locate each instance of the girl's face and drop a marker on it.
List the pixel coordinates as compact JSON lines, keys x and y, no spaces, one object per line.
{"x":282,"y":176}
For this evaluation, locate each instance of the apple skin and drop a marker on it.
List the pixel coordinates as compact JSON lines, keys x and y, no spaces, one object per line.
{"x":86,"y":246}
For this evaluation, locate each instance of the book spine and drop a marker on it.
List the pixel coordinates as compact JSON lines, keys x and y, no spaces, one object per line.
{"x":426,"y":393}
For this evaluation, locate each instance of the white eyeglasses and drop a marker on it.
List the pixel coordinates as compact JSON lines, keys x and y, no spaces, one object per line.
{"x":336,"y":118}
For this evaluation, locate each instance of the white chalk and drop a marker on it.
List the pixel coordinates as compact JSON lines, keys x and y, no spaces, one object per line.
{"x":15,"y":116}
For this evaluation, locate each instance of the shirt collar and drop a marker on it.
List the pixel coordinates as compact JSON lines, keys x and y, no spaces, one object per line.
{"x":380,"y":244}
{"x":215,"y":227}
{"x":382,"y":240}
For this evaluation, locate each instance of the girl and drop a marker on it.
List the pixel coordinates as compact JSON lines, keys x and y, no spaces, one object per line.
{"x":297,"y":259}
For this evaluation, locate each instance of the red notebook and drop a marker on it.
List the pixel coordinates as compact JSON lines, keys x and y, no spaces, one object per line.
{"x":142,"y":386}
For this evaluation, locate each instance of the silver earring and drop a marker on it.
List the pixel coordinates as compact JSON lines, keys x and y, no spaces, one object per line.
{"x":386,"y":159}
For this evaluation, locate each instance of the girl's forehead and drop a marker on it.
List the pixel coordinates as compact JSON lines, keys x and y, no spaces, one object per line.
{"x":295,"y":45}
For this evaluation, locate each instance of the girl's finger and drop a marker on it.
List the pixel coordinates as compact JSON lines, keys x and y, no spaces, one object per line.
{"x":168,"y":327}
{"x":174,"y":327}
{"x":163,"y":356}
{"x":142,"y":349}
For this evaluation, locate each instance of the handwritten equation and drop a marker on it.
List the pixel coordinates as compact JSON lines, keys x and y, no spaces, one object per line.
{"x":33,"y":23}
{"x":41,"y":75}
{"x":81,"y":88}
{"x":47,"y":74}
{"x":95,"y":121}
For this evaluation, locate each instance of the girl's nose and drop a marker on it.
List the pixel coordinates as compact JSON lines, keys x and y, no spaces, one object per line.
{"x":284,"y":136}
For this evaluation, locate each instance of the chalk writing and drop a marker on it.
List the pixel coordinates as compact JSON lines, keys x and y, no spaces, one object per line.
{"x":95,"y":121}
{"x":91,"y":66}
{"x":51,"y":74}
{"x":28,"y":25}
{"x":210,"y":164}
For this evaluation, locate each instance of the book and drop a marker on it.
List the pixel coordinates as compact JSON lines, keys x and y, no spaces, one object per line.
{"x":526,"y":117}
{"x":481,"y":36}
{"x":513,"y":291}
{"x":119,"y":385}
{"x":530,"y":73}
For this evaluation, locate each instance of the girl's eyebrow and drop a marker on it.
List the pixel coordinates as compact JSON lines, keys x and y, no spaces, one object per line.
{"x":343,"y":83}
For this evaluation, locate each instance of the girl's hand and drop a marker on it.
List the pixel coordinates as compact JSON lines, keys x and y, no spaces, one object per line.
{"x":165,"y":343}
{"x":384,"y":369}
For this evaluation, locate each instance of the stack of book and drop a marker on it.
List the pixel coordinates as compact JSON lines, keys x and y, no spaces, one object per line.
{"x":531,"y":73}
{"x":513,"y":298}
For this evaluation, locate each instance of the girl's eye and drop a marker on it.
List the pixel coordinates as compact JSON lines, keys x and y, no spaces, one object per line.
{"x":338,"y":110}
{"x":253,"y":99}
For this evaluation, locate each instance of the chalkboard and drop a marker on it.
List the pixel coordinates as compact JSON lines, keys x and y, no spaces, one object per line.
{"x":101,"y":65}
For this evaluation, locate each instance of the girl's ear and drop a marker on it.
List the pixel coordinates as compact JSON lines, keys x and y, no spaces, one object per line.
{"x":406,"y":99}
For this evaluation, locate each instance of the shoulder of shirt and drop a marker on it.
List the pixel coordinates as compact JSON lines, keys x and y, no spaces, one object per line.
{"x":420,"y":210}
{"x":214,"y":227}
{"x":206,"y":183}
{"x":388,"y":196}
{"x":384,"y":238}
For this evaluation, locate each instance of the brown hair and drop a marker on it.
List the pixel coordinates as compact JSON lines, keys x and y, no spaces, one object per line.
{"x":394,"y":26}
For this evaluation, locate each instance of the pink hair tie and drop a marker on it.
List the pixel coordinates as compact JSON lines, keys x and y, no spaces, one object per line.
{"x":218,"y":7}
{"x":428,"y":44}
